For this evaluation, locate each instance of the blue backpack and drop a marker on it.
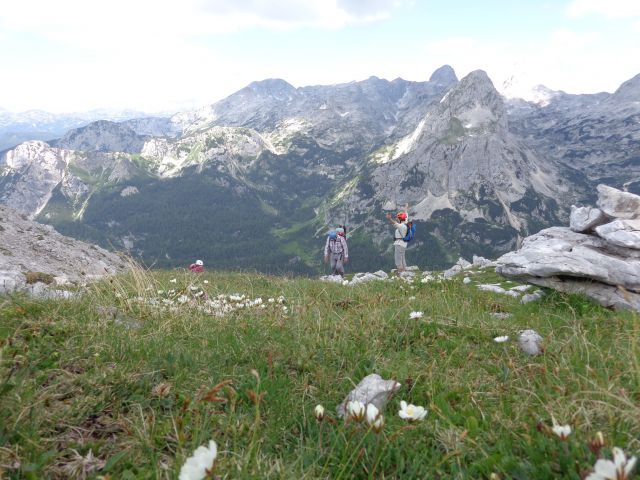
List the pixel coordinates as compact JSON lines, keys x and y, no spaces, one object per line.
{"x":411,"y":232}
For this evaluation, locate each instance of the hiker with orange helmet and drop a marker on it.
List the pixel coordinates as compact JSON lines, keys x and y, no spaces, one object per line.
{"x":399,"y":244}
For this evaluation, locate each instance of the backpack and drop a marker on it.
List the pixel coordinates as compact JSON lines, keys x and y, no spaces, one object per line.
{"x":411,"y":232}
{"x":335,"y":245}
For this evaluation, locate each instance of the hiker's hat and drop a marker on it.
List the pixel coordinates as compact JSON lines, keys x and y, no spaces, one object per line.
{"x":402,"y":215}
{"x":199,"y":262}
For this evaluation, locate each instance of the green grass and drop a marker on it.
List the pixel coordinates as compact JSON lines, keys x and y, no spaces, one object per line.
{"x":130,"y":383}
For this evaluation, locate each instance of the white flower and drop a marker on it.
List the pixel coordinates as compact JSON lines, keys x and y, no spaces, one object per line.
{"x":501,"y":339}
{"x":281,"y":299}
{"x":193,"y":288}
{"x":410,"y":412}
{"x":173,"y":280}
{"x":562,"y":431}
{"x":206,"y":282}
{"x":413,"y":315}
{"x":271,"y":300}
{"x":183,"y":299}
{"x":319,"y":412}
{"x":355,"y":410}
{"x":160,"y":292}
{"x":412,"y":298}
{"x":345,"y":282}
{"x":619,"y":469}
{"x":372,"y":413}
{"x":200,"y":463}
{"x":374,"y":418}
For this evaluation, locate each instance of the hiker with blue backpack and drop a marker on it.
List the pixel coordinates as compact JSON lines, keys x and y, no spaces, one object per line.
{"x":404,"y":233}
{"x":336,"y":251}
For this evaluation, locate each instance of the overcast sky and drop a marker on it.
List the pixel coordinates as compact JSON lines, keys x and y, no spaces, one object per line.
{"x":168,"y":55}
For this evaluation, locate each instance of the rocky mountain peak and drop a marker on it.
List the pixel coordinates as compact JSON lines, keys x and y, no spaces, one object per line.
{"x":629,"y":91}
{"x":102,"y":136}
{"x":475,"y":102}
{"x":274,"y":87}
{"x":445,"y":75}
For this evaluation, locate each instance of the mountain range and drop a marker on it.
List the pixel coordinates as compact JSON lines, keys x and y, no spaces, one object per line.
{"x":255,"y":180}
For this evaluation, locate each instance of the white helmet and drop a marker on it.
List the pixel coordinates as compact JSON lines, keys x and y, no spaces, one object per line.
{"x":199,"y":262}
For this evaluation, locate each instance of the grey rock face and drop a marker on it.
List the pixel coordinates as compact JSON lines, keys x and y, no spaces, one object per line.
{"x":618,"y":204}
{"x":610,"y":296}
{"x":445,"y":75}
{"x":102,"y":136}
{"x":583,"y":219}
{"x":625,"y":233}
{"x":530,"y":342}
{"x":558,"y":251}
{"x":371,"y":389}
{"x":604,"y":266}
{"x":27,"y":246}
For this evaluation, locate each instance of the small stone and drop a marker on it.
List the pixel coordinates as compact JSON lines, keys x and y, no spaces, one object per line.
{"x":530,"y":342}
{"x":371,"y":389}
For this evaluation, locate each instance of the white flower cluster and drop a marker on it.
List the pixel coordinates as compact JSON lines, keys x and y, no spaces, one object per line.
{"x":221,"y":305}
{"x":224,"y":304}
{"x":200,"y":464}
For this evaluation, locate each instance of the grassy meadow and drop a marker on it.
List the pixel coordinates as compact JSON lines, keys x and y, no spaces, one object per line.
{"x":128,"y":379}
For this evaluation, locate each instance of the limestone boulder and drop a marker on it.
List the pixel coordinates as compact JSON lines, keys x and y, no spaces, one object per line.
{"x":624,"y":233}
{"x":560,"y":252}
{"x":583,"y":219}
{"x":618,"y":204}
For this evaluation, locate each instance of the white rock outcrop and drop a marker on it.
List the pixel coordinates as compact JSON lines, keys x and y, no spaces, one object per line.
{"x":603,"y":265}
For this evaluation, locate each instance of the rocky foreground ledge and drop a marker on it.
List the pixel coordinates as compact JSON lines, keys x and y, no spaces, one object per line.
{"x":37,"y":259}
{"x":598,"y":255}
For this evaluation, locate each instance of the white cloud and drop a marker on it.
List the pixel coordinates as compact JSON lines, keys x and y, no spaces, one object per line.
{"x":607,"y":8}
{"x":565,"y":60}
{"x":151,"y":53}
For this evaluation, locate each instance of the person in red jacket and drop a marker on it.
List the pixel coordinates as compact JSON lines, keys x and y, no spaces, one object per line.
{"x":197,"y":267}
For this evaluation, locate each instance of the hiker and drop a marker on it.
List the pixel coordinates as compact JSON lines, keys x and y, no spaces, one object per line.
{"x":400,"y":245}
{"x":336,"y":251}
{"x":197,"y":267}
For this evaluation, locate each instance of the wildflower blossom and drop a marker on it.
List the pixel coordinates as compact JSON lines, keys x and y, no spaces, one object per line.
{"x":206,"y":282}
{"x":271,"y":300}
{"x":356,"y":410}
{"x":173,"y":280}
{"x":618,"y":469}
{"x":319,"y":412}
{"x":562,"y":431}
{"x":183,"y":299}
{"x":413,"y":315}
{"x":374,"y":418}
{"x":200,"y":464}
{"x":501,"y":339}
{"x":411,"y":413}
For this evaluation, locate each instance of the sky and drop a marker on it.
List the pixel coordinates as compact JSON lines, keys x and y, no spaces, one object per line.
{"x":172,"y":55}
